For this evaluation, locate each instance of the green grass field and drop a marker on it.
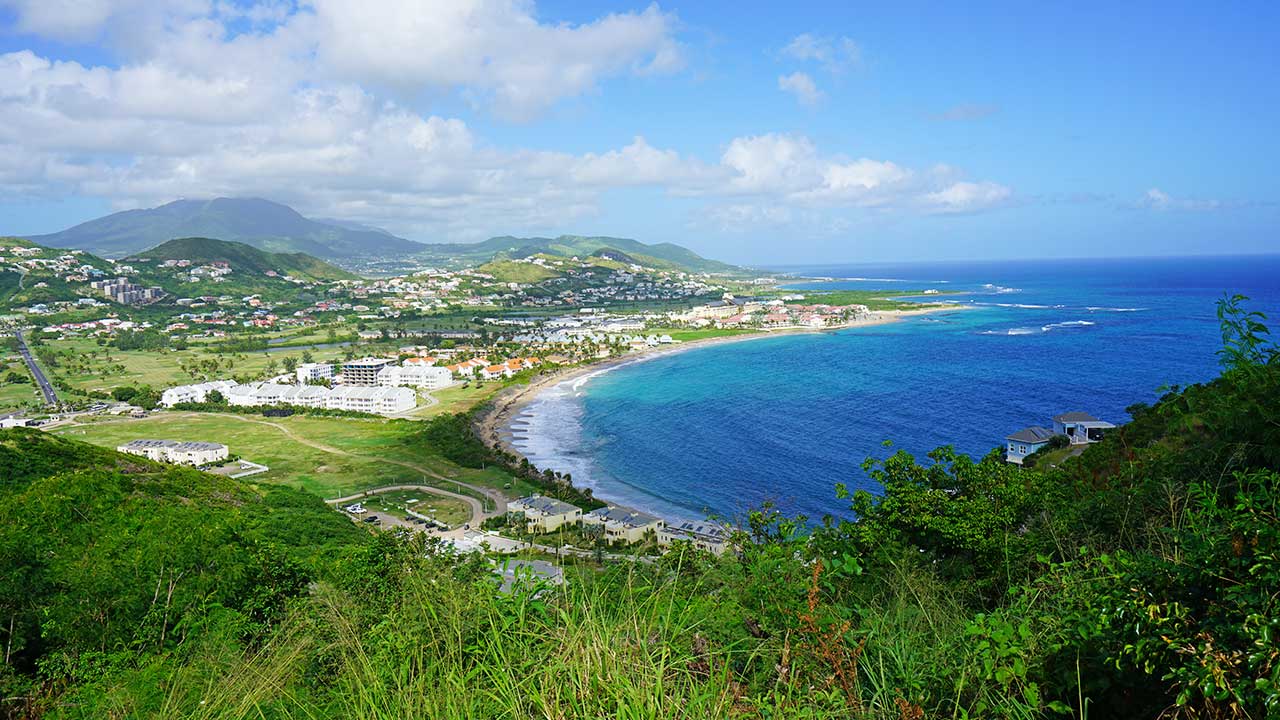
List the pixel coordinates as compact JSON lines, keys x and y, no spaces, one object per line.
{"x":12,"y":396}
{"x":457,"y":399}
{"x":329,"y":457}
{"x":85,"y":365}
{"x":446,"y":510}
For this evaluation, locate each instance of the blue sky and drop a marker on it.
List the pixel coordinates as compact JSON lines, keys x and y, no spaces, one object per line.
{"x":749,"y":132}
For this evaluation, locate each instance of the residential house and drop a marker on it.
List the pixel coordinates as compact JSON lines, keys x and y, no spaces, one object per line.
{"x":543,"y":514}
{"x":622,"y":525}
{"x":1026,"y":441}
{"x":1080,"y":427}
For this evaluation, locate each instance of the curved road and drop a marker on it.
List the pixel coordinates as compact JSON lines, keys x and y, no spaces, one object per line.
{"x":50,"y":397}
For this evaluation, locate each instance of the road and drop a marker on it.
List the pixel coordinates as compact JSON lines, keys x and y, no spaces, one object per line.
{"x":50,"y":397}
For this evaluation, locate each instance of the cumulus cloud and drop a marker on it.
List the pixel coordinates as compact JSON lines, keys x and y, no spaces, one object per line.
{"x":190,"y":111}
{"x":836,"y":55}
{"x":1157,"y":199}
{"x":802,"y":86}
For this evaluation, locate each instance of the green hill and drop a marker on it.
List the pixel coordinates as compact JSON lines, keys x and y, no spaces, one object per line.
{"x":659,"y":255}
{"x":261,"y":223}
{"x":244,"y":258}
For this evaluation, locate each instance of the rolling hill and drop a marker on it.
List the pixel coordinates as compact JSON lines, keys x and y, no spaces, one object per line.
{"x":666,"y":256}
{"x":244,"y":258}
{"x":261,"y":223}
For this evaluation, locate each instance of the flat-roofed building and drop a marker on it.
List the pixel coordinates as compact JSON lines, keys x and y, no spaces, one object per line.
{"x":180,"y":453}
{"x":364,"y":371}
{"x":310,"y":372}
{"x":422,"y":376}
{"x":543,"y":514}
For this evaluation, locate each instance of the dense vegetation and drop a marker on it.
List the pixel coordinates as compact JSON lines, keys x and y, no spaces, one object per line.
{"x":245,"y":258}
{"x":1137,"y":580}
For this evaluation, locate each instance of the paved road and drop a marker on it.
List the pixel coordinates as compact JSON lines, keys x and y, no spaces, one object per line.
{"x":50,"y":397}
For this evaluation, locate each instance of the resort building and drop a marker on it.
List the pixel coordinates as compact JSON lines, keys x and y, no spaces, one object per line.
{"x":194,"y":393}
{"x":1080,"y":427}
{"x":179,"y":453}
{"x":467,"y":368}
{"x":1026,"y":441}
{"x":363,"y":371}
{"x":705,"y":535}
{"x":310,"y":372}
{"x":543,"y":514}
{"x":622,"y":525}
{"x":421,"y":376}
{"x":374,"y":400}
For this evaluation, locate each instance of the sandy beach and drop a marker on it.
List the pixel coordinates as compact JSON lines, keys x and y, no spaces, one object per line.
{"x":494,"y":426}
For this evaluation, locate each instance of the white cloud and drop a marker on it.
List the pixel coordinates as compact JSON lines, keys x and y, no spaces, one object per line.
{"x":836,"y":55}
{"x":495,"y":48}
{"x":190,"y":111}
{"x":967,"y":197}
{"x":802,"y":86}
{"x":1157,"y":199}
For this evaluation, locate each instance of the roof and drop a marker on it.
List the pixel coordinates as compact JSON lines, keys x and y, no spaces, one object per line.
{"x":546,"y":505}
{"x":1033,"y":434}
{"x":1074,"y":417}
{"x":622,"y":516}
{"x":175,"y":445}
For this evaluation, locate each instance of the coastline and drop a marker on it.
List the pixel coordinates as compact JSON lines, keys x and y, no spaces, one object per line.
{"x":494,"y":426}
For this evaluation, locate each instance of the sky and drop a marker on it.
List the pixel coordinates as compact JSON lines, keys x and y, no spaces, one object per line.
{"x":754,"y":132}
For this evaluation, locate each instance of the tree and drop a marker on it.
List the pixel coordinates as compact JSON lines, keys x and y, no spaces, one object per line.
{"x":215,"y":398}
{"x":290,"y":364}
{"x":124,"y":393}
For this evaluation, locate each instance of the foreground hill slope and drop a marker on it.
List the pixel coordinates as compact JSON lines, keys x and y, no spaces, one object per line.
{"x":261,"y":223}
{"x":1135,"y":581}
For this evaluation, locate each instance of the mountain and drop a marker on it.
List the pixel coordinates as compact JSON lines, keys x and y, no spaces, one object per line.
{"x":261,"y":223}
{"x":244,"y":258}
{"x":659,"y":255}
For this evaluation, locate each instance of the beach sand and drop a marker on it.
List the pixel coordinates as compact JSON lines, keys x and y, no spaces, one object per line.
{"x":494,"y":425}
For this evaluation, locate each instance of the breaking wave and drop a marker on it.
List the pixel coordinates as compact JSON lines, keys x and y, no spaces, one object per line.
{"x":1042,"y":329}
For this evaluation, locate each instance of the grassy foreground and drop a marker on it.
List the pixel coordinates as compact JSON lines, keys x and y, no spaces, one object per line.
{"x":1137,"y":580}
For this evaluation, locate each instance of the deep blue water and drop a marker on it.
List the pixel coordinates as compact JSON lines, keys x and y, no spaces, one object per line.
{"x":722,"y":428}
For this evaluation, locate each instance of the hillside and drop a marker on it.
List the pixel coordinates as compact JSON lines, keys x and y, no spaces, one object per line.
{"x":243,"y":258}
{"x":664,"y":256}
{"x":1135,"y":581}
{"x":261,"y":223}
{"x":504,"y":270}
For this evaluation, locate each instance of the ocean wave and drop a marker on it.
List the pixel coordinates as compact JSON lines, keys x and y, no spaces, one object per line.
{"x":1042,"y":329}
{"x":1000,"y":289}
{"x":1093,"y":308}
{"x":1067,"y":324}
{"x":895,"y":280}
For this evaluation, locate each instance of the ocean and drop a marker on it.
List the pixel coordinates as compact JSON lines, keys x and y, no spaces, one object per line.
{"x":719,"y":430}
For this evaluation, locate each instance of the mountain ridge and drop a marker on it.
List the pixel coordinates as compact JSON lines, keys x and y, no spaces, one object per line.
{"x":262,"y":224}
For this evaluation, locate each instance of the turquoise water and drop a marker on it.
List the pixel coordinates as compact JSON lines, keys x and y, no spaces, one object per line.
{"x":721,"y":429}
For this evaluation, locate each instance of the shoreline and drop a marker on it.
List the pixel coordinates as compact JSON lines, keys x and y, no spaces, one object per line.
{"x":494,"y":426}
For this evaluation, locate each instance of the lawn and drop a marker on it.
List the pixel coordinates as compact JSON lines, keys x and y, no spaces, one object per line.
{"x":13,"y":395}
{"x":686,"y":335}
{"x":445,"y":510}
{"x":354,"y":454}
{"x":84,"y":364}
{"x":457,"y":399}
